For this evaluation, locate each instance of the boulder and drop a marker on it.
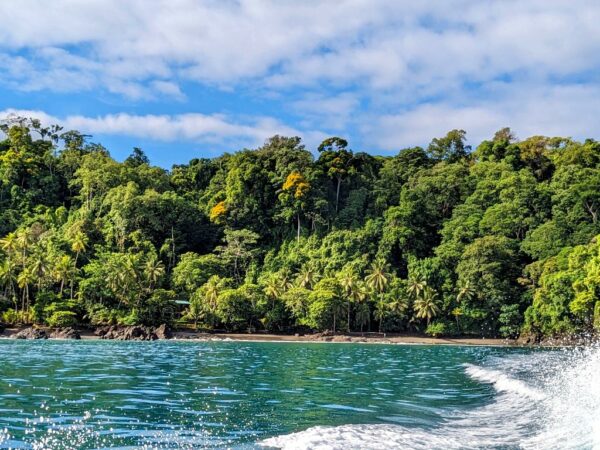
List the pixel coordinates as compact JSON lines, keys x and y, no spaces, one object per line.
{"x":163,"y":332}
{"x":130,"y":333}
{"x":528,"y":339}
{"x":30,"y":333}
{"x":65,"y":333}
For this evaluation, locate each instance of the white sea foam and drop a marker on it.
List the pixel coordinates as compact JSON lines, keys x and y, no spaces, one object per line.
{"x":503,"y":382}
{"x":554,"y":403}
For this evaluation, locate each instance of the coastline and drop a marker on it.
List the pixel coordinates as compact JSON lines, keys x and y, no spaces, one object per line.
{"x":366,"y":338}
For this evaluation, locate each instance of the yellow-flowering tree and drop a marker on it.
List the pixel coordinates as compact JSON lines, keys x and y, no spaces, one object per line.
{"x":294,"y":197}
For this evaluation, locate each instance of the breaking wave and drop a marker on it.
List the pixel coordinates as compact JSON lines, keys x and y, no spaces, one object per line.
{"x":546,"y":400}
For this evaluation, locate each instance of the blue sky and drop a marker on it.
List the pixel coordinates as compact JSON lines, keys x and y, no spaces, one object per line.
{"x":190,"y":78}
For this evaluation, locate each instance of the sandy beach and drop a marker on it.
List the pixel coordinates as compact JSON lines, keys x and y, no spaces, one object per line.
{"x":367,"y":338}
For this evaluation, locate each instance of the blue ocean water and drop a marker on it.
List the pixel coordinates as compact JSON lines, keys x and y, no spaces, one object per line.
{"x":104,"y":394}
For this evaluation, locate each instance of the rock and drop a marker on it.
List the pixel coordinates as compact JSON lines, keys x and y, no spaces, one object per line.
{"x":101,"y":331}
{"x":163,"y":332}
{"x":528,"y":339}
{"x":30,"y":333}
{"x":65,"y":333}
{"x":131,"y":333}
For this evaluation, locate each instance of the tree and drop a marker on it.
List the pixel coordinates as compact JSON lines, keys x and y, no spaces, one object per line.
{"x":238,"y":249}
{"x":337,"y":161}
{"x":426,"y":306}
{"x":352,"y":288}
{"x":450,"y":148}
{"x":377,"y":277}
{"x":307,"y":276}
{"x":294,"y":196}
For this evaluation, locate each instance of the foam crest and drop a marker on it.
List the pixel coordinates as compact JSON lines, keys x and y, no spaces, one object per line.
{"x":503,"y":382}
{"x":553,"y":404}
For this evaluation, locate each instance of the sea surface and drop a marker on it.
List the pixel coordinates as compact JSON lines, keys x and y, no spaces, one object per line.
{"x":240,"y":395}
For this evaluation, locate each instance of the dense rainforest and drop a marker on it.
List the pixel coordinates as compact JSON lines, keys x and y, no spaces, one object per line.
{"x":493,"y":241}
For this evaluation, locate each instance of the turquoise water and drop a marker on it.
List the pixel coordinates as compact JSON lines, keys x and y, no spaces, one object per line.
{"x":90,"y":395}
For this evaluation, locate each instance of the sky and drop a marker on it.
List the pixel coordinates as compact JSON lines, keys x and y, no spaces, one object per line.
{"x":191,"y":78}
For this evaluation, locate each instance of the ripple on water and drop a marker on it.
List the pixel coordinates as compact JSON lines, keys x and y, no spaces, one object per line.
{"x":215,"y":395}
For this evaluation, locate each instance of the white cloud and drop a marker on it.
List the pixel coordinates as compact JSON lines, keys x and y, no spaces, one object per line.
{"x":530,"y":110}
{"x":382,"y":44}
{"x":399,"y":72}
{"x":192,"y":127}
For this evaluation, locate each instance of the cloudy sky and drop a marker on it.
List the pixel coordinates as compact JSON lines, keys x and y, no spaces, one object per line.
{"x":188,"y":78}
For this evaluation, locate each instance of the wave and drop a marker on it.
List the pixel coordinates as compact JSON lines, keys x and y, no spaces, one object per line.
{"x":546,"y":400}
{"x":503,"y":382}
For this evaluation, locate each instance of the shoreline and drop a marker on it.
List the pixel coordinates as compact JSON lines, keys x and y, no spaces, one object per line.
{"x":356,"y":338}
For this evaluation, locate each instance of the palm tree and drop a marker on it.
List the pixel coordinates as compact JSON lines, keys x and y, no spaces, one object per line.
{"x":465,"y":291}
{"x":8,"y":279}
{"x":377,"y":277}
{"x":154,"y":269}
{"x":39,"y":268}
{"x":457,"y":312}
{"x":415,"y":286}
{"x":426,"y":306}
{"x":24,"y":279}
{"x":79,"y":246}
{"x":307,"y":276}
{"x":363,"y":315}
{"x":352,"y":290}
{"x":9,"y":244}
{"x":23,"y":241}
{"x":272,"y":289}
{"x":213,"y":286}
{"x":63,"y":271}
{"x":381,"y":311}
{"x":285,"y":280}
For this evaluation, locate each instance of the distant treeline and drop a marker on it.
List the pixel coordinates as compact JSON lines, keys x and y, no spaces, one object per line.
{"x":445,"y":240}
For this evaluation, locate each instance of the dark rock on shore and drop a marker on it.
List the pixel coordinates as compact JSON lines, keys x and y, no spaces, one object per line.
{"x":133,"y":333}
{"x":65,"y":333}
{"x":528,"y":339}
{"x":30,"y":333}
{"x":163,"y":332}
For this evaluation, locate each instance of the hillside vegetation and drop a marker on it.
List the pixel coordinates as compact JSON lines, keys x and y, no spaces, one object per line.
{"x":446,"y":239}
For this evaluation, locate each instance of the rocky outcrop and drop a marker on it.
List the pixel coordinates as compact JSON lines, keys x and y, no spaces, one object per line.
{"x":163,"y":332}
{"x":65,"y":333}
{"x":528,"y":339}
{"x":134,"y":333}
{"x":30,"y":333}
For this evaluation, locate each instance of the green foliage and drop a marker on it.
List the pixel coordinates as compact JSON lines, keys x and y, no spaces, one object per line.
{"x":62,"y":319}
{"x":441,"y":239}
{"x":511,"y":318}
{"x":436,"y":329}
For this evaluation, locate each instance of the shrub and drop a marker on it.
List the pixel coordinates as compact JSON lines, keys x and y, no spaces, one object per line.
{"x":62,"y":319}
{"x":12,"y":317}
{"x":158,"y":309}
{"x":437,"y":329}
{"x":510,"y":317}
{"x":101,"y":315}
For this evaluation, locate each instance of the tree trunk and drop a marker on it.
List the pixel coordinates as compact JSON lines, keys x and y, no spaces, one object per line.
{"x":337,"y":194}
{"x":333,"y":323}
{"x":348,"y":316}
{"x":73,"y":278}
{"x":298,"y":236}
